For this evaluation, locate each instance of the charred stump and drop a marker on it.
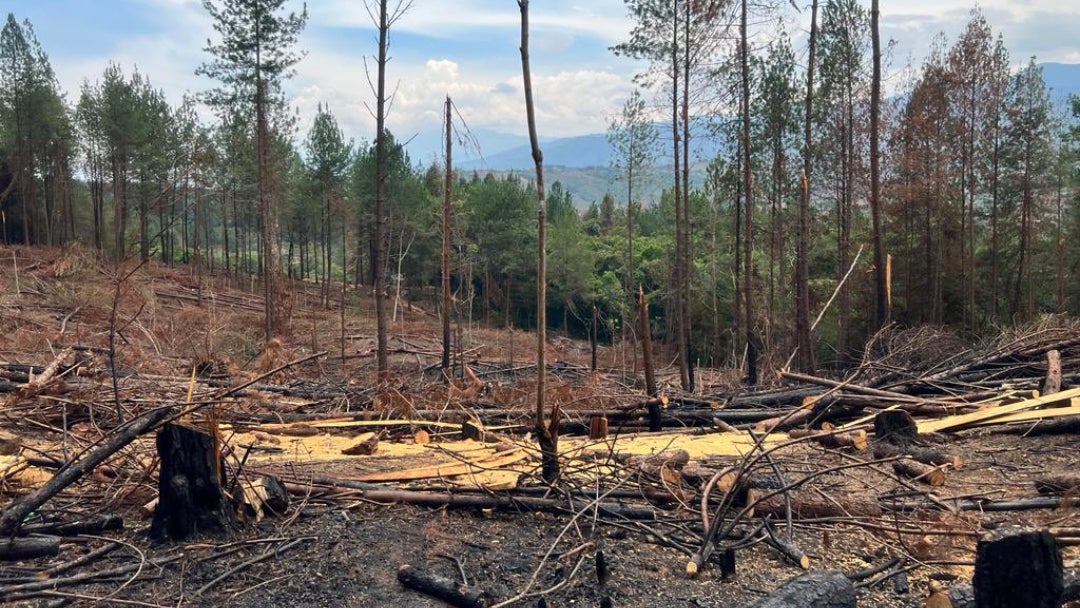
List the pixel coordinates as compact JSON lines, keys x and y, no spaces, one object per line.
{"x":191,"y":499}
{"x":818,"y":589}
{"x":896,"y":427}
{"x":1014,"y":567}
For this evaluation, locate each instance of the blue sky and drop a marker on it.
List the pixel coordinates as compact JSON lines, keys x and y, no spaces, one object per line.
{"x":468,"y":49}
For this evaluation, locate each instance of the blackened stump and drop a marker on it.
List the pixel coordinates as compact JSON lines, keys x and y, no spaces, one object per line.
{"x":191,"y":499}
{"x":1014,"y":567}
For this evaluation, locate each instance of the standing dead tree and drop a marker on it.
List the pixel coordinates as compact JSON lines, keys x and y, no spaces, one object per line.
{"x":383,"y":18}
{"x":546,"y":437}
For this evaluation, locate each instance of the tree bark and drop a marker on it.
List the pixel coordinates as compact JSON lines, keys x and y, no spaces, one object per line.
{"x":545,"y":437}
{"x":1018,"y":568}
{"x":191,"y":499}
{"x":881,"y":308}
{"x":802,"y":256}
{"x":448,"y":189}
{"x":378,"y":261}
{"x":819,"y":589}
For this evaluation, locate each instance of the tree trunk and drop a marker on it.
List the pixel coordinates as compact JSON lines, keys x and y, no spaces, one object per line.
{"x":802,"y":257}
{"x":546,"y":438}
{"x":1018,"y":568}
{"x":881,"y":305}
{"x":820,"y":589}
{"x":748,"y":210}
{"x":191,"y":499}
{"x":378,"y":260}
{"x":447,"y":202}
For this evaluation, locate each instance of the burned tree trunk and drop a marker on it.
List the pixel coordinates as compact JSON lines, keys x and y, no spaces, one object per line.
{"x":819,"y":589}
{"x":191,"y":498}
{"x":1014,"y":567}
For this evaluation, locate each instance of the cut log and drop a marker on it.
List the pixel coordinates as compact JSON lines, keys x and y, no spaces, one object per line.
{"x":12,"y":549}
{"x":1014,"y":567}
{"x":831,"y":437}
{"x":924,"y":455}
{"x":1058,"y":483}
{"x":819,"y":589}
{"x":1052,"y":382}
{"x":446,"y":589}
{"x":598,"y":427}
{"x":917,"y":471}
{"x":264,"y":496}
{"x":806,"y":505}
{"x":366,"y":445}
{"x":190,"y":495}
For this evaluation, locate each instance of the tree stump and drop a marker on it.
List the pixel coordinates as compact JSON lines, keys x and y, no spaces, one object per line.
{"x":818,"y":589}
{"x":191,"y":499}
{"x":1014,"y":567}
{"x":896,"y":427}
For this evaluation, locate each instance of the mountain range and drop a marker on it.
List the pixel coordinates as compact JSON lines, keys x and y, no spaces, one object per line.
{"x":583,"y":162}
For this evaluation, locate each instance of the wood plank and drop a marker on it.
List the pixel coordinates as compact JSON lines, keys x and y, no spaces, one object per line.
{"x":449,"y":469}
{"x":983,"y":417}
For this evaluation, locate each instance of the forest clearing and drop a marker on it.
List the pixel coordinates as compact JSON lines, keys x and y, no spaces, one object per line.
{"x":449,"y":479}
{"x":254,"y":356}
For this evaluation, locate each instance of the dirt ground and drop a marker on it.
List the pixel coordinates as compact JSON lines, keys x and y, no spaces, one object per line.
{"x":336,"y":548}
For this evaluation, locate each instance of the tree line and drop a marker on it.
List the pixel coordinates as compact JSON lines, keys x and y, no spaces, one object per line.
{"x":978,"y":212}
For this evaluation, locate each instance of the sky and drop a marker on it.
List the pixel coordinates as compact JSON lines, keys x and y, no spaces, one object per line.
{"x":468,"y":49}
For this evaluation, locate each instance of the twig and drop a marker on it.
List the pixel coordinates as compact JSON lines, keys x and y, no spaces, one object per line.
{"x":251,"y":562}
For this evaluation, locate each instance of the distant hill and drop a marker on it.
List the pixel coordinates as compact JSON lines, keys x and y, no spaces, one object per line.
{"x":1062,"y":79}
{"x":583,"y":162}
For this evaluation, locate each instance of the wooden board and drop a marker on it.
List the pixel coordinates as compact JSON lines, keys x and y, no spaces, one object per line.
{"x":992,"y":414}
{"x":449,"y":469}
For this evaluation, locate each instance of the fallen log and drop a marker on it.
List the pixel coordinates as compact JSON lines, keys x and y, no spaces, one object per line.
{"x":819,"y":589}
{"x":805,"y":505}
{"x":917,"y":471}
{"x":12,"y":549}
{"x":446,"y":589}
{"x":489,"y":501}
{"x":928,"y":456}
{"x":1014,"y":567}
{"x":121,"y":436}
{"x":1058,"y":483}
{"x":91,"y":525}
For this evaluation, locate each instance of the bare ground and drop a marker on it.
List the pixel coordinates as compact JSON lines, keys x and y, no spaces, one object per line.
{"x":343,"y":550}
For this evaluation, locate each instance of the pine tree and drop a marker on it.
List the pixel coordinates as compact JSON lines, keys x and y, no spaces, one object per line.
{"x":254,"y":55}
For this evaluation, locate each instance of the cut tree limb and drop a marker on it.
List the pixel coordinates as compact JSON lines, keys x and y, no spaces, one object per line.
{"x":12,"y":549}
{"x":121,"y":436}
{"x":446,"y":589}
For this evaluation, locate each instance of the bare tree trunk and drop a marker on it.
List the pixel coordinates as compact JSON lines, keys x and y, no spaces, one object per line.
{"x":271,"y":268}
{"x":748,"y":240}
{"x":881,"y":308}
{"x":378,"y":260}
{"x":802,"y":257}
{"x":680,"y":295}
{"x":547,"y":438}
{"x":447,"y":200}
{"x":687,"y":256}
